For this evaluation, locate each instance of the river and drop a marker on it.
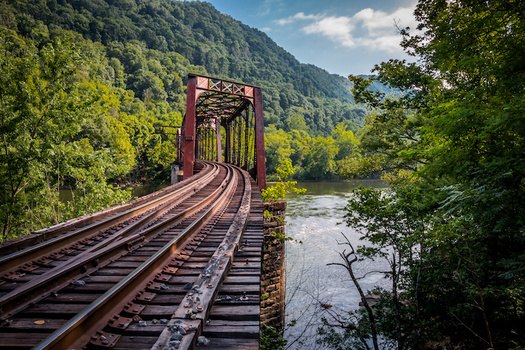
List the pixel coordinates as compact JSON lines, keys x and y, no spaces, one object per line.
{"x":316,"y":219}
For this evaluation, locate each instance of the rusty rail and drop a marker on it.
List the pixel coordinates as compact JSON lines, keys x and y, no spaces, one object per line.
{"x":180,"y":233}
{"x":96,"y":256}
{"x":79,"y":329}
{"x":55,"y":244}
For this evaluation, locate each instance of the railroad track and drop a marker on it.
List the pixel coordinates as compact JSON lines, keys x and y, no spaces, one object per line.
{"x":175,"y":270}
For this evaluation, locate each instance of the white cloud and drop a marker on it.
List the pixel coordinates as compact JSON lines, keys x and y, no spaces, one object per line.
{"x":379,"y":22}
{"x":336,"y":28}
{"x":296,"y":17}
{"x":370,"y":28}
{"x":389,"y":43}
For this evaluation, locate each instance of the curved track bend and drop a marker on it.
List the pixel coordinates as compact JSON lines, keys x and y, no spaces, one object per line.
{"x":173,"y":270}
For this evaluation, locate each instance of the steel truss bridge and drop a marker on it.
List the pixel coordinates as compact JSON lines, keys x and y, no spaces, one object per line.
{"x":218,"y":108}
{"x":177,"y":269}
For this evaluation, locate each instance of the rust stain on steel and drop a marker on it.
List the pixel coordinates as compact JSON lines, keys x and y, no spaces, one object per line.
{"x":211,"y":102}
{"x":189,"y":128}
{"x":259,"y":141}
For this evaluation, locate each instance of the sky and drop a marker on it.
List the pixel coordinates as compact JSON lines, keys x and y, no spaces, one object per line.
{"x":341,"y":36}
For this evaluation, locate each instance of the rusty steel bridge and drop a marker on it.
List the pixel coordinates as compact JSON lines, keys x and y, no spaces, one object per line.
{"x":177,"y":269}
{"x":213,"y":105}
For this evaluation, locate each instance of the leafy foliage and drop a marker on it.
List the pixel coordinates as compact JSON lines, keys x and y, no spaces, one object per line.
{"x":312,"y":158}
{"x":272,"y":339}
{"x":279,"y":190}
{"x":46,"y":109}
{"x":452,"y":142}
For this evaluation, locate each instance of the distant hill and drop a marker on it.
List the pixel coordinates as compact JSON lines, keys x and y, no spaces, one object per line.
{"x":193,"y":35}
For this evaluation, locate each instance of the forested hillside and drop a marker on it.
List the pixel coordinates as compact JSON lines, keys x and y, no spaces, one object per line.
{"x":224,"y":47}
{"x":86,"y":85}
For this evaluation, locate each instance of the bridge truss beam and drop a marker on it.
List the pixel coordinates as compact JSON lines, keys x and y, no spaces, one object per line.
{"x":213,"y":104}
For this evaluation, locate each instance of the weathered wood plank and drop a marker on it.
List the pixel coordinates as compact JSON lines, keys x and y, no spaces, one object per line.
{"x":233,"y":323}
{"x":19,"y":325}
{"x":168,"y":299}
{"x":230,"y":344}
{"x":125,"y":264}
{"x":14,"y":341}
{"x":41,"y":310}
{"x":135,"y":342}
{"x":158,"y":311}
{"x":236,"y":313}
{"x":242,"y":280}
{"x":77,"y":298}
{"x":231,"y":331}
{"x":240,"y":288}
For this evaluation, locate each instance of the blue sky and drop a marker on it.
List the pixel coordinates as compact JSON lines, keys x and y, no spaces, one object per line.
{"x":343,"y":37}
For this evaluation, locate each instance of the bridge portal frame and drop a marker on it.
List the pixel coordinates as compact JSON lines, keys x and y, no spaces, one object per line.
{"x":225,"y":101}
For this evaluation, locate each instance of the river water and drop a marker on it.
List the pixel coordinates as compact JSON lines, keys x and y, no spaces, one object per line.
{"x":316,"y":219}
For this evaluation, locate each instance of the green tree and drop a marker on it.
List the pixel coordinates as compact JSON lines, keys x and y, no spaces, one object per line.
{"x":345,"y":141}
{"x":296,"y":122}
{"x":45,"y":108}
{"x":281,"y":188}
{"x":299,"y":143}
{"x":277,"y":148}
{"x":40,"y":107}
{"x":457,"y":127}
{"x":319,"y":158}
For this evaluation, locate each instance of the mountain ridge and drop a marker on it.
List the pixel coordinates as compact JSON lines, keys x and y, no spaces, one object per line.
{"x":223,"y":46}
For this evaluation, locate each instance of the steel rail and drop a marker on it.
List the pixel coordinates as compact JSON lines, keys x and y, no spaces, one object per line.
{"x":45,"y":234}
{"x":212,"y":277}
{"x":88,"y":261}
{"x":78,"y":329}
{"x":18,"y":258}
